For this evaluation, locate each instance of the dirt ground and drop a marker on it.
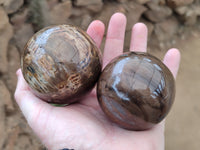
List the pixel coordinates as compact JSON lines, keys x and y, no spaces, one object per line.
{"x":182,"y":124}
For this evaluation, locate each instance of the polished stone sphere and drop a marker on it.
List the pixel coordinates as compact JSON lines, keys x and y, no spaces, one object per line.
{"x":136,"y":90}
{"x":61,"y":64}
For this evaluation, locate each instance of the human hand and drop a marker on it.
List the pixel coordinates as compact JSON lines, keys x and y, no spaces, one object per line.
{"x":83,"y":125}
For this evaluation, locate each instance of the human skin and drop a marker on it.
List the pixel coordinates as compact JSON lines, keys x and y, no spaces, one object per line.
{"x":83,"y":125}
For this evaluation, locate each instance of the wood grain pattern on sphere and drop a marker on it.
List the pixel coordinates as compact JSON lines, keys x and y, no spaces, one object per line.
{"x":61,"y":63}
{"x":136,"y":90}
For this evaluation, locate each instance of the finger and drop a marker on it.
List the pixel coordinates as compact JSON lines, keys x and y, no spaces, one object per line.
{"x":172,"y":60}
{"x":139,"y":38}
{"x":29,"y":104}
{"x":96,"y":31}
{"x":115,"y":37}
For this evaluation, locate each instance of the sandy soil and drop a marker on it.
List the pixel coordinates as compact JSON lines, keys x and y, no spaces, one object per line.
{"x":182,"y":124}
{"x":182,"y":127}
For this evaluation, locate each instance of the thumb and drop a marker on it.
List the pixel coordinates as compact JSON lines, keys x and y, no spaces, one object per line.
{"x":30,"y":105}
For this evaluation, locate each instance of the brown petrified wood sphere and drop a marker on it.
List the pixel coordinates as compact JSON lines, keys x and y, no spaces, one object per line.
{"x":61,"y":64}
{"x":136,"y":90}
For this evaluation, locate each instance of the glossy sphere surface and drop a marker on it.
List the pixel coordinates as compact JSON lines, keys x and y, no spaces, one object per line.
{"x":136,"y":90}
{"x":61,"y":63}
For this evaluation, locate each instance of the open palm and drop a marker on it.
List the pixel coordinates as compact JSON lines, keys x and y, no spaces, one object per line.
{"x":83,"y":125}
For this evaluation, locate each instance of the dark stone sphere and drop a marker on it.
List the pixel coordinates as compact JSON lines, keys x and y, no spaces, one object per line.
{"x":136,"y":90}
{"x":61,"y":64}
